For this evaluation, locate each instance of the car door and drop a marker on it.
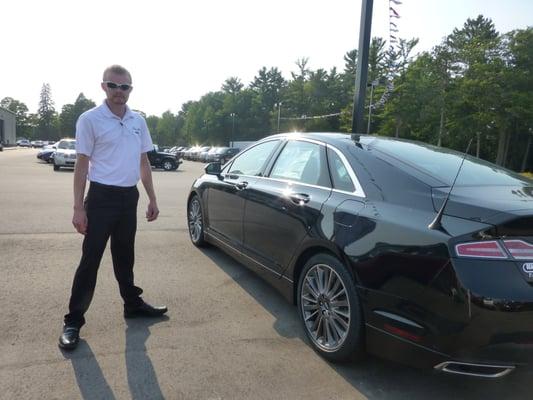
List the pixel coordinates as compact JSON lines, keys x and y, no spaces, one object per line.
{"x":284,"y":206}
{"x":227,"y":196}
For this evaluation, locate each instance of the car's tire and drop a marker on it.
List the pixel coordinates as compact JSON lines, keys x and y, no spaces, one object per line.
{"x":56,"y":167}
{"x":168,"y":164}
{"x":330,"y":310}
{"x":195,"y":221}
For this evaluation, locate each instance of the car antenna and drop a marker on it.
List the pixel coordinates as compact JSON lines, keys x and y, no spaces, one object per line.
{"x":436,"y":223}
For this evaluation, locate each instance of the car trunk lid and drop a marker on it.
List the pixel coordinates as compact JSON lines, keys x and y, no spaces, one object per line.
{"x":489,"y":204}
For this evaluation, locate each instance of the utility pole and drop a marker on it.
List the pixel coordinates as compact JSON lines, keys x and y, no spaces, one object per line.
{"x":232,"y":129}
{"x":362,"y":66}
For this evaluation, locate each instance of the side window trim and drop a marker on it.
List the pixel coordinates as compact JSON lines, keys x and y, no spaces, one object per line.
{"x":275,"y":156}
{"x":358,"y":188}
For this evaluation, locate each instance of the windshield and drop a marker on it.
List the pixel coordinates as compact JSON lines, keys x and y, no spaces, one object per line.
{"x":443,"y":164}
{"x":70,"y":145}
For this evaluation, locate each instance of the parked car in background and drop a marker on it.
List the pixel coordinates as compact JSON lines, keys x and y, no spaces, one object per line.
{"x":197,"y":154}
{"x":46,"y":153}
{"x":65,"y":154}
{"x":223,"y":154}
{"x":206,"y":155}
{"x":181,"y":151}
{"x":410,"y":251}
{"x":162,"y":159}
{"x":192,"y":152}
{"x":23,"y":143}
{"x":37,"y":143}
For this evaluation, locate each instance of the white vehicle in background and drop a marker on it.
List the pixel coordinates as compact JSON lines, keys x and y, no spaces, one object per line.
{"x":23,"y":143}
{"x":65,"y":155}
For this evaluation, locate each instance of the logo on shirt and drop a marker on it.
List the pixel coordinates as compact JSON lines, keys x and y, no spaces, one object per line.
{"x":137,"y":131}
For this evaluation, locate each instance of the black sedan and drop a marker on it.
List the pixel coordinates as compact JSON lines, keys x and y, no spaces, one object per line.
{"x":379,"y":248}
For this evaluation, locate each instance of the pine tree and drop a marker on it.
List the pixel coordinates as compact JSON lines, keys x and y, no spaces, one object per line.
{"x":46,"y":114}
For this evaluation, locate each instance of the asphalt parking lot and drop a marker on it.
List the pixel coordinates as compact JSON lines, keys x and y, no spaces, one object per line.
{"x":228,"y":335}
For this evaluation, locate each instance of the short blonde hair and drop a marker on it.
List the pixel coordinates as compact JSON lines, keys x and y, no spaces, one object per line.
{"x":116,"y":69}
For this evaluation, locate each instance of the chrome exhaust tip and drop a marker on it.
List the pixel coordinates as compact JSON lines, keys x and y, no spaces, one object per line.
{"x":479,"y":370}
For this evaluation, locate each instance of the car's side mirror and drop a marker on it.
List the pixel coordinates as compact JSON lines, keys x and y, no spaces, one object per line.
{"x":213,"y":168}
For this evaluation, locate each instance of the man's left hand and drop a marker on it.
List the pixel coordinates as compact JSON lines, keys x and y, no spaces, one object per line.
{"x":152,"y":212}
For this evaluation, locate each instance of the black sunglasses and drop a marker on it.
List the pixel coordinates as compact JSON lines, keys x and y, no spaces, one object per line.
{"x":112,"y":85}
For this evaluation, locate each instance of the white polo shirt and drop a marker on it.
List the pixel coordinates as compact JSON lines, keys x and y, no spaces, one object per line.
{"x":113,"y":145}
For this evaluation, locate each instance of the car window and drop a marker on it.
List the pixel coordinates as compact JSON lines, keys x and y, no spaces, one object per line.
{"x":443,"y":164}
{"x":67,"y":145}
{"x":253,"y":160}
{"x":302,"y":162}
{"x":339,"y":173}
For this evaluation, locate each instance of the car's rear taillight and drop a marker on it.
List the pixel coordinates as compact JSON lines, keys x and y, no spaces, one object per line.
{"x":519,"y":249}
{"x":488,"y":249}
{"x":506,"y":249}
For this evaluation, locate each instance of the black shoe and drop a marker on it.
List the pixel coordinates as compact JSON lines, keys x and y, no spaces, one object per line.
{"x":144,"y":310}
{"x":70,"y":337}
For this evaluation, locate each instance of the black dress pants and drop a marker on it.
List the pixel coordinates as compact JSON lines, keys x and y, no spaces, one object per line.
{"x":111,"y":212}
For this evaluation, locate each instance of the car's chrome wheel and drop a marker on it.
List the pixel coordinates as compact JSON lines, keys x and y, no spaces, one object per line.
{"x":329,"y":308}
{"x":326,"y":307}
{"x":195,"y":221}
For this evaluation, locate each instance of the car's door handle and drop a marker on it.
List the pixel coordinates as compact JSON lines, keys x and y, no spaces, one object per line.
{"x":299,"y":198}
{"x":241,"y":185}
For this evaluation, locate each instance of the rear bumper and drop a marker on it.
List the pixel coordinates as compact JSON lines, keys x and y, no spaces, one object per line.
{"x":490,"y":338}
{"x":403,"y":351}
{"x":483,"y":316}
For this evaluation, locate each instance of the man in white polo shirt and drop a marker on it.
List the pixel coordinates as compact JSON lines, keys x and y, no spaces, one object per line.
{"x":111,"y":146}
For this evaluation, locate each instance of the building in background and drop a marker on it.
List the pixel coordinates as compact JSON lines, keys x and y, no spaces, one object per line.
{"x":8,"y":123}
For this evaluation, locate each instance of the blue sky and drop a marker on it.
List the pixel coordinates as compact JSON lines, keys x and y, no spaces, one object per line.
{"x":178,"y":51}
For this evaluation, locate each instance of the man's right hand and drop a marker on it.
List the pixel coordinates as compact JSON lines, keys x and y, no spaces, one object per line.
{"x":79,"y":220}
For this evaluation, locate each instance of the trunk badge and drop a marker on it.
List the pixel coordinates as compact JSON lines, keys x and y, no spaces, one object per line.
{"x":528,"y":269}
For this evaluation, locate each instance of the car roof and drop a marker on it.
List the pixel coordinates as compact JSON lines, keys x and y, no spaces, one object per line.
{"x":333,"y":138}
{"x":348,"y":140}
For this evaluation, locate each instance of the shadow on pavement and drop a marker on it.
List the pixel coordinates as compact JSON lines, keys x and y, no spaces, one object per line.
{"x":88,"y":373}
{"x":142,"y":379}
{"x":373,"y":377}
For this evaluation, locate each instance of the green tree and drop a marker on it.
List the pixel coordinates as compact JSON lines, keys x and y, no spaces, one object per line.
{"x":47,"y":122}
{"x":70,"y":114}
{"x":232,"y":85}
{"x":23,"y":127}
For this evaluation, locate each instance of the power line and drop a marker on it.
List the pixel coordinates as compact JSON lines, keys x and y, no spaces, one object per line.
{"x":303,"y":117}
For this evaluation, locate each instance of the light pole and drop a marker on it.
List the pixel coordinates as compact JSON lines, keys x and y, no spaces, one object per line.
{"x":372,"y":84}
{"x":362,"y":66}
{"x":478,"y":134}
{"x":526,"y":154}
{"x":279,"y":113}
{"x":232,"y":128}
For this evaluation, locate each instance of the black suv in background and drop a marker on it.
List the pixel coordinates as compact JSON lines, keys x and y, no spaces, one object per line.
{"x":223,"y":154}
{"x":162,"y":159}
